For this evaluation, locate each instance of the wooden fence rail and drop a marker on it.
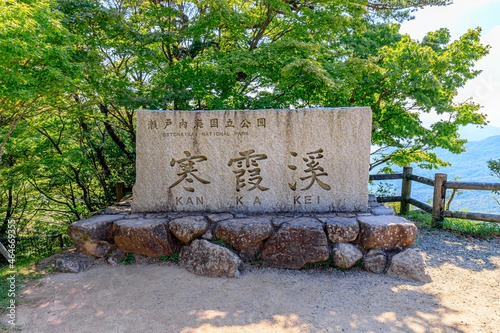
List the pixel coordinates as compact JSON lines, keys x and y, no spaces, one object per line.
{"x":440,"y":185}
{"x":21,"y":238}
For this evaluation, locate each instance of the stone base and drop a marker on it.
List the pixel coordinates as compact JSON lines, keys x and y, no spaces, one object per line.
{"x":218,"y":244}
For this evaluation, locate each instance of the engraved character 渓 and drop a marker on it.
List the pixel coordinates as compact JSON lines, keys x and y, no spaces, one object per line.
{"x":313,"y":170}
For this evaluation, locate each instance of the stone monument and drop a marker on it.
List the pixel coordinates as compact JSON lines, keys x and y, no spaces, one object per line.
{"x":303,"y":160}
{"x":283,"y":188}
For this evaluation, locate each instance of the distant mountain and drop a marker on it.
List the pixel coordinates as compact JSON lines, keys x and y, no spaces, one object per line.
{"x":470,"y":166}
{"x":475,"y":133}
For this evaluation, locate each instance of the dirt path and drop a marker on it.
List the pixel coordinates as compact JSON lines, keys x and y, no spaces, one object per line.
{"x":464,"y":297}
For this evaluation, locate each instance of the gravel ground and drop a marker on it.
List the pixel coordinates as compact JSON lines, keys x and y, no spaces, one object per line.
{"x":463,"y":297}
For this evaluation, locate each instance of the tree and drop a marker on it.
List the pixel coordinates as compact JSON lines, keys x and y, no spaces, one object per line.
{"x":35,"y":62}
{"x":401,"y":79}
{"x":57,"y":164}
{"x":78,"y":70}
{"x":494,"y":166}
{"x":282,"y":54}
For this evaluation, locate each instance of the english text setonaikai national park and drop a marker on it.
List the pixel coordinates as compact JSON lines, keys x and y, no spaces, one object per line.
{"x":267,"y":166}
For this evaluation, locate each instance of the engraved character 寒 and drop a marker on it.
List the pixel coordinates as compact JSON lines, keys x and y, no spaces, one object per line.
{"x":188,"y":170}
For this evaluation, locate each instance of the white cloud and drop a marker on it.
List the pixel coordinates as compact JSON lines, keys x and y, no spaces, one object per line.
{"x":451,"y":17}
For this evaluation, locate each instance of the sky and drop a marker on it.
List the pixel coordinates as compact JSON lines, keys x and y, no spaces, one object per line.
{"x":458,"y":18}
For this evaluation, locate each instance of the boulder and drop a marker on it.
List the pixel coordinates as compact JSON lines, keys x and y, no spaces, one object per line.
{"x":188,"y":228}
{"x":73,"y":263}
{"x":346,"y":215}
{"x":156,"y":216}
{"x":375,"y":261}
{"x":98,"y":249}
{"x":341,"y":229}
{"x":297,"y":242}
{"x":244,"y":232}
{"x":345,"y":255}
{"x":387,"y":233}
{"x":214,"y":218}
{"x":94,"y":236}
{"x":115,"y":256}
{"x":115,"y":210}
{"x":409,"y":264}
{"x":250,"y":253}
{"x":143,"y":236}
{"x":383,"y":210}
{"x":208,"y":259}
{"x":208,"y":235}
{"x":279,"y":220}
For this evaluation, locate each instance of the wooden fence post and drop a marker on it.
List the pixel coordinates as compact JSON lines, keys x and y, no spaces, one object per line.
{"x":438,"y":201}
{"x":405,"y":191}
{"x":61,"y":242}
{"x":120,"y":191}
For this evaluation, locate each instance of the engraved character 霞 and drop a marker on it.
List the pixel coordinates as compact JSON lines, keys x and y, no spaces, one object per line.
{"x":248,"y":162}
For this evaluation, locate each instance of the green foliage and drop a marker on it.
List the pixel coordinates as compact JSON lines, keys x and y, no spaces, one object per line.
{"x":329,"y":263}
{"x":466,"y":228}
{"x":383,"y":189}
{"x":72,"y":74}
{"x":128,"y":259}
{"x":172,"y":257}
{"x":24,"y":272}
{"x":222,"y":243}
{"x":277,"y":54}
{"x":324,"y":264}
{"x":472,"y":228}
{"x":422,"y":219}
{"x":494,"y":166}
{"x":257,"y":260}
{"x":9,"y":328}
{"x":35,"y":52}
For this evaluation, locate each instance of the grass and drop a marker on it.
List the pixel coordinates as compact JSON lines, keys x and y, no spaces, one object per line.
{"x":222,"y":243}
{"x":329,"y":263}
{"x":466,"y":228}
{"x":128,"y":259}
{"x":172,"y":257}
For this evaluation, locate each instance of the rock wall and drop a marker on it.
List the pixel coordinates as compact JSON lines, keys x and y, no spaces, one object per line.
{"x":219,"y":245}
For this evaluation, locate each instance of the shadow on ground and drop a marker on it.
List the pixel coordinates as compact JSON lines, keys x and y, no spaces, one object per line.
{"x":441,"y":247}
{"x":161,"y":298}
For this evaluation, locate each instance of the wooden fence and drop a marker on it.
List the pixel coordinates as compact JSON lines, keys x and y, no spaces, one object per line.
{"x":32,"y":244}
{"x":440,"y":185}
{"x":121,"y":190}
